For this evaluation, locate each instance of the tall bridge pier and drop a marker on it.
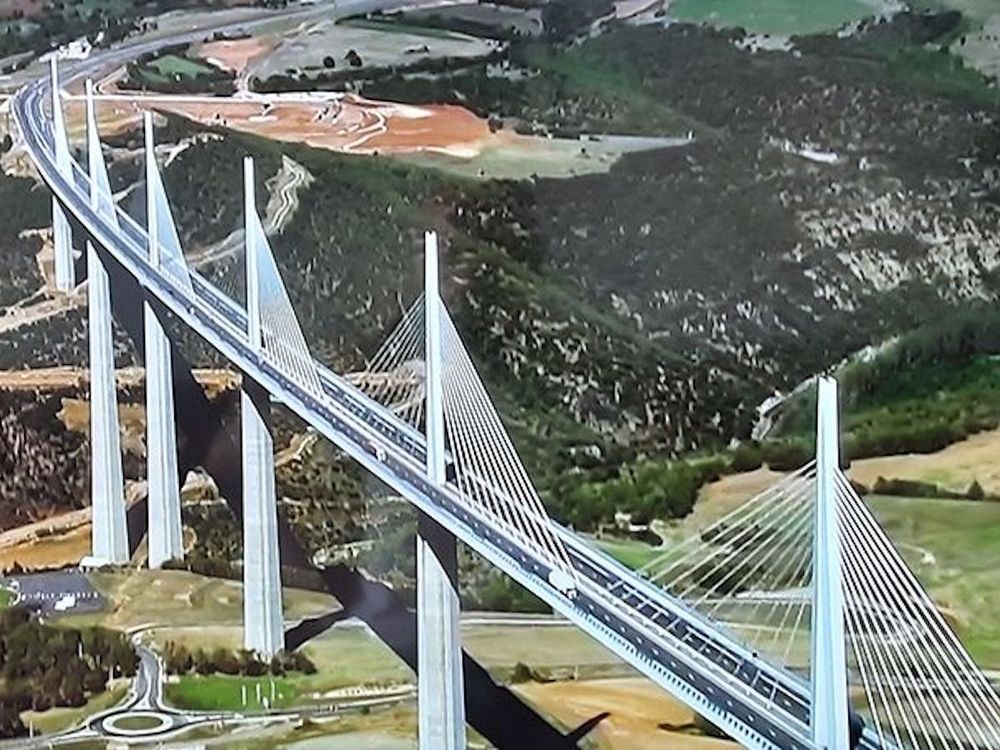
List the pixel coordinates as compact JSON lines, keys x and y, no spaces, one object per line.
{"x":263,"y":622}
{"x":109,"y":528}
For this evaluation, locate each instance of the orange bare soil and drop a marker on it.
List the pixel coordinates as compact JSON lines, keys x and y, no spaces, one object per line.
{"x":350,"y":124}
{"x":339,"y":122}
{"x":642,"y":715}
{"x":234,"y":54}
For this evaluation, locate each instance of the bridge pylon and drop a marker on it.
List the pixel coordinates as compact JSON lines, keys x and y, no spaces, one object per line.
{"x":441,"y":694}
{"x":830,"y":723}
{"x":61,"y":234}
{"x":263,"y":619}
{"x":165,"y":529}
{"x":109,"y":527}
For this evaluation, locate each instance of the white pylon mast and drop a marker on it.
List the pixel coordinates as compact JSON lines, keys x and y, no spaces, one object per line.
{"x":165,"y":528}
{"x":830,"y":712}
{"x":441,"y":692}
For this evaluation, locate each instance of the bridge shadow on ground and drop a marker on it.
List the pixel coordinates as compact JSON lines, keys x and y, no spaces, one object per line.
{"x":208,"y":442}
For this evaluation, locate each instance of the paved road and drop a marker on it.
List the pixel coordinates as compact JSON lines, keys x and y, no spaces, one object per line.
{"x":58,"y":592}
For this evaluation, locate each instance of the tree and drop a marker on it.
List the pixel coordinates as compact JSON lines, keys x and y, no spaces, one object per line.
{"x":976,"y":491}
{"x":746,"y":457}
{"x":202,"y":664}
{"x":329,"y":62}
{"x":71,"y":690}
{"x":95,"y":681}
{"x":225,"y":661}
{"x":10,"y":721}
{"x":177,"y":659}
{"x":277,"y":666}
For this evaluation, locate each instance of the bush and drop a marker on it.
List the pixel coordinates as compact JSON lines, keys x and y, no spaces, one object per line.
{"x":10,"y":721}
{"x":746,"y":457}
{"x":914,"y":488}
{"x":975,"y":491}
{"x":786,"y":455}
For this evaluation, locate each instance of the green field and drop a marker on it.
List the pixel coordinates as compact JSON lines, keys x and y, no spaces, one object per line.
{"x":964,"y":539}
{"x":225,"y":693}
{"x":773,"y":16}
{"x":629,"y":552}
{"x":175,"y":65}
{"x":137,"y":723}
{"x":353,"y":657}
{"x":6,"y":597}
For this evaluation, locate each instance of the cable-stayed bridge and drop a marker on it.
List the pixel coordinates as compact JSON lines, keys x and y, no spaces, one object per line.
{"x":791,"y":623}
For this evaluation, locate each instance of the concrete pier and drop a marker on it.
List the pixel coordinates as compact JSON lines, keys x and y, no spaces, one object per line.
{"x":263,"y":621}
{"x":107,"y":494}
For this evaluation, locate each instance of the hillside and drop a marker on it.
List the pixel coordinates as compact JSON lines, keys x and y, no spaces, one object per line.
{"x":834,"y":194}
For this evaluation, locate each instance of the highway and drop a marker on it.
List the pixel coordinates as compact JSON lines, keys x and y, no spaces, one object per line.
{"x":696,"y":660}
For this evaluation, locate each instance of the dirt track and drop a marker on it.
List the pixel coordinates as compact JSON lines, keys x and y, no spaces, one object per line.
{"x":234,"y":54}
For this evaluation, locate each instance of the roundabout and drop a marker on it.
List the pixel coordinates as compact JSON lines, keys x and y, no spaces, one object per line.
{"x":139,"y":724}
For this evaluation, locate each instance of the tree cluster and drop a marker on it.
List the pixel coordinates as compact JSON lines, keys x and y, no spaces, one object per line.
{"x":355,"y":74}
{"x":647,"y":490}
{"x":564,"y":19}
{"x":143,"y":75}
{"x":915,"y":488}
{"x":43,"y":666}
{"x":42,"y":464}
{"x":179,"y":660}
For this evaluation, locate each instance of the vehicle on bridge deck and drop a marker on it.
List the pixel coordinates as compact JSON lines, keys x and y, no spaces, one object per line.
{"x":563,"y":583}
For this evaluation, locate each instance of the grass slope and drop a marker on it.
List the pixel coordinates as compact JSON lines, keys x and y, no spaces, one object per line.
{"x":773,"y":16}
{"x":57,"y":720}
{"x":964,"y":539}
{"x":175,"y":65}
{"x":632,"y":553}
